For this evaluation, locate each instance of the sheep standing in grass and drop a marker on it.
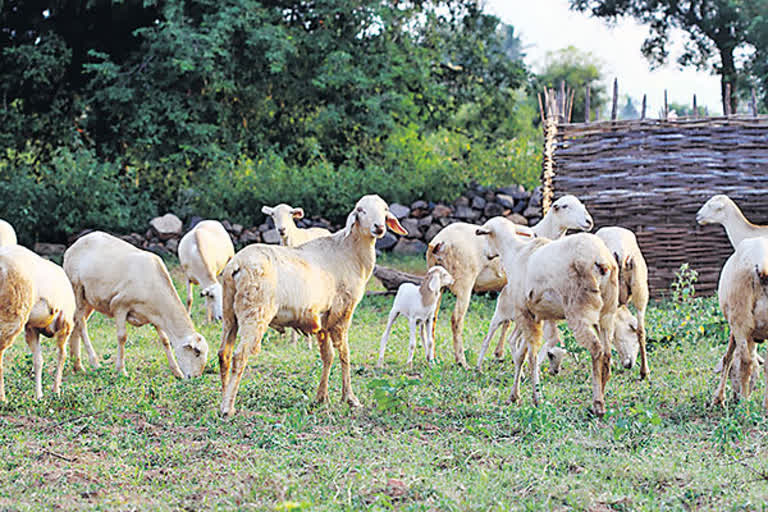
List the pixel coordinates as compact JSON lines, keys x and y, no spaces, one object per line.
{"x":284,"y":217}
{"x":7,"y":234}
{"x":574,"y":278}
{"x":203,"y":253}
{"x":743,"y":295}
{"x":132,"y":286}
{"x":417,"y":304}
{"x":465,"y":257}
{"x":314,"y":288}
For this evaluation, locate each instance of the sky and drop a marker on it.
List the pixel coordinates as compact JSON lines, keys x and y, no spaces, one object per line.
{"x":548,"y":25}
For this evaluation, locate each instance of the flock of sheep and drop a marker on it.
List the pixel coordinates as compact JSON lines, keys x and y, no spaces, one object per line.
{"x":313,"y":282}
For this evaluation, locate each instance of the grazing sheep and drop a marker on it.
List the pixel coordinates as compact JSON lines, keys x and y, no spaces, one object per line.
{"x":633,"y":283}
{"x":132,"y":286}
{"x":203,"y":253}
{"x":17,"y":298}
{"x":283,"y":216}
{"x":465,"y":257}
{"x":417,"y":304}
{"x":743,"y":294}
{"x":720,"y":209}
{"x":574,"y":278}
{"x":7,"y":234}
{"x":314,"y":288}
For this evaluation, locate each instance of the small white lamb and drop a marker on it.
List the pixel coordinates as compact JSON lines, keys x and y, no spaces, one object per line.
{"x":418,"y":304}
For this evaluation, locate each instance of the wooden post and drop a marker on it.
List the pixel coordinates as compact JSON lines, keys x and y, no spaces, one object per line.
{"x":754,"y":103}
{"x":614,"y":108}
{"x":666,"y":105}
{"x":597,"y":112}
{"x":727,"y":104}
{"x":586,"y":105}
{"x":541,"y":107}
{"x":645,"y":101}
{"x":695,"y":108}
{"x":570,"y":104}
{"x":562,"y":99}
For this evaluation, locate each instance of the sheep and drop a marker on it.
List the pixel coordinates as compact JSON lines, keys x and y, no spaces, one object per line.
{"x":464,"y":256}
{"x":720,"y":209}
{"x":17,"y":298}
{"x":743,"y":295}
{"x":203,"y":253}
{"x":633,"y":282}
{"x":7,"y":234}
{"x":52,"y":311}
{"x":132,"y":286}
{"x":283,"y":216}
{"x":417,"y":303}
{"x":574,"y":278}
{"x":314,"y":288}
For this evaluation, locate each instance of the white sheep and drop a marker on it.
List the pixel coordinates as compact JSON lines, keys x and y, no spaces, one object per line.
{"x":314,"y":288}
{"x":417,"y":304}
{"x":465,"y":257}
{"x":283,"y":215}
{"x":132,"y":286}
{"x":52,"y":311}
{"x":7,"y":234}
{"x":203,"y":253}
{"x":633,"y":283}
{"x":743,"y":295}
{"x":574,"y":278}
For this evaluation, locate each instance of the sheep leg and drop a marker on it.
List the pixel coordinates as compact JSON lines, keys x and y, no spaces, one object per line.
{"x":83,"y":311}
{"x":551,"y":340}
{"x":586,"y":335}
{"x":250,"y":345}
{"x":3,"y":399}
{"x":61,"y":342}
{"x":341,"y":343}
{"x":605,"y":334}
{"x":8,"y":334}
{"x":433,"y":324}
{"x":228,"y":338}
{"x":457,"y":325}
{"x":533,"y":361}
{"x":499,"y":351}
{"x":122,"y":337}
{"x":166,"y":344}
{"x":719,"y":397}
{"x":208,"y":310}
{"x":747,"y":363}
{"x":190,"y":296}
{"x":527,"y":328}
{"x":412,"y":345}
{"x":294,"y":338}
{"x":644,"y":369}
{"x":384,"y":337}
{"x":765,"y":391}
{"x":33,"y":341}
{"x":326,"y":355}
{"x":427,"y":336}
{"x":496,"y":322}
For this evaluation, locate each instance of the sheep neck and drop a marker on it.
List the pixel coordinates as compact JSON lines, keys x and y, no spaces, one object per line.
{"x":360,"y":247}
{"x":173,"y":320}
{"x":547,"y":228}
{"x":428,"y":298}
{"x":737,"y":227}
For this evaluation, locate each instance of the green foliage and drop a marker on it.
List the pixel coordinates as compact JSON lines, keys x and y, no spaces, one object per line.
{"x":392,"y":396}
{"x":634,"y":425}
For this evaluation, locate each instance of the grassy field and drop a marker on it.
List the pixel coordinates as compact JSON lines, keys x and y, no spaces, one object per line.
{"x":436,"y":438}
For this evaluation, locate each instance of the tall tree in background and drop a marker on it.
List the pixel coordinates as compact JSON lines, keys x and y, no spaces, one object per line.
{"x":757,"y":35}
{"x":716,"y":29}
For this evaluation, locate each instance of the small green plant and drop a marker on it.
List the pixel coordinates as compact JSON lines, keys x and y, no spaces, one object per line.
{"x":683,"y":288}
{"x":392,"y":395}
{"x":728,"y":432}
{"x":634,"y":424}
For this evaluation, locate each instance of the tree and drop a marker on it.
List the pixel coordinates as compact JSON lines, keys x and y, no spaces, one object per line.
{"x":757,"y":35}
{"x":716,"y":29}
{"x":629,"y":111}
{"x":579,"y":70}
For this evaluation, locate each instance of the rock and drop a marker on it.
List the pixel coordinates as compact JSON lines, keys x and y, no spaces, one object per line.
{"x":419,"y":213}
{"x":465,"y":212}
{"x":517,"y":219}
{"x":270,"y":237}
{"x":49,"y":249}
{"x":478,"y":203}
{"x":149,"y":234}
{"x":227,"y":225}
{"x":432,"y":232}
{"x":73,"y":238}
{"x":386,"y":242}
{"x":167,"y":226}
{"x":424,"y":222}
{"x":516,"y":191}
{"x":461,"y":201}
{"x":172,"y":245}
{"x":321,"y":222}
{"x":264,"y":227}
{"x":399,"y":210}
{"x":444,"y":221}
{"x":505,"y":200}
{"x":419,"y":205}
{"x":158,"y":249}
{"x":493,"y":210}
{"x":441,"y":210}
{"x":536,"y":197}
{"x":410,"y":247}
{"x":237,"y":229}
{"x":193,"y":221}
{"x":532,"y":211}
{"x":412,"y":227}
{"x":520,"y":206}
{"x":250,"y":236}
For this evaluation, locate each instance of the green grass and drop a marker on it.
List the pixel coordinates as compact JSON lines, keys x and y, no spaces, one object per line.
{"x":439,"y":439}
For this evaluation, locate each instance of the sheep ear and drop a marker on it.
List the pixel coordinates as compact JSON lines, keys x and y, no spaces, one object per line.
{"x":482,"y":231}
{"x":394,"y":225}
{"x":434,"y":283}
{"x":298,"y":213}
{"x":616,"y":257}
{"x":351,"y":220}
{"x":266,"y":210}
{"x":629,"y":263}
{"x":524,"y":232}
{"x":438,"y":247}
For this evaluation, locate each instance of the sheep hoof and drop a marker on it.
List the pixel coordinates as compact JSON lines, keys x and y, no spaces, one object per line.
{"x":644,"y":372}
{"x":513,"y":398}
{"x":598,"y":409}
{"x":352,"y":401}
{"x":227,"y":413}
{"x":498,"y":355}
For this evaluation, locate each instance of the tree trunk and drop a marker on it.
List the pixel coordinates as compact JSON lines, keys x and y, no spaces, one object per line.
{"x":728,"y":75}
{"x":392,"y":279}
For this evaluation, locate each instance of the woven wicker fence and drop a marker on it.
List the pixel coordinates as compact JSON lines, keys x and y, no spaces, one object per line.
{"x":652,"y":176}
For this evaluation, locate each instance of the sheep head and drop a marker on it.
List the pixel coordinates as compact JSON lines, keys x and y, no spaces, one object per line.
{"x":372,"y":217}
{"x":192,"y":354}
{"x":499,"y":231}
{"x":715,"y":210}
{"x":213,"y":299}
{"x":283,"y":215}
{"x":625,"y":337}
{"x":437,"y":277}
{"x":570,"y":213}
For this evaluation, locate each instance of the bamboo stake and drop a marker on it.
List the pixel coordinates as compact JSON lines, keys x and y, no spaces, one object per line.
{"x":586,"y":106}
{"x":666,"y":105}
{"x":645,"y":101}
{"x":754,"y":103}
{"x":614,"y":108}
{"x":695,"y":108}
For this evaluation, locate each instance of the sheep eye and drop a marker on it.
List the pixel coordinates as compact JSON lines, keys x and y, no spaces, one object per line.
{"x":564,"y":206}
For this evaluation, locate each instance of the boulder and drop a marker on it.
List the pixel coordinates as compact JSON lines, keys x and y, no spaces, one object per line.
{"x":505,"y":200}
{"x":168,"y":226}
{"x":493,"y":210}
{"x":532,"y":211}
{"x":158,"y":249}
{"x":399,"y":210}
{"x":441,"y":210}
{"x":271,"y":237}
{"x":386,"y":242}
{"x":516,"y":191}
{"x":49,"y":249}
{"x":419,"y":205}
{"x":478,"y":203}
{"x":406,"y":246}
{"x":444,"y":221}
{"x":237,"y":229}
{"x":461,"y":201}
{"x":227,"y":225}
{"x":432,"y":232}
{"x":467,"y":213}
{"x":193,"y":221}
{"x":424,"y":222}
{"x":536,"y":197}
{"x":517,"y":219}
{"x":264,"y":227}
{"x":412,"y":227}
{"x":250,"y":236}
{"x":172,"y":245}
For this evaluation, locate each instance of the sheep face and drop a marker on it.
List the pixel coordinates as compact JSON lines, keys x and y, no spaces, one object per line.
{"x":625,"y":337}
{"x":556,"y":356}
{"x":371,"y":217}
{"x":437,"y":278}
{"x":283,"y":215}
{"x":572,"y":213}
{"x":192,"y":354}
{"x":499,"y":232}
{"x":213,"y":300}
{"x":713,"y":211}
